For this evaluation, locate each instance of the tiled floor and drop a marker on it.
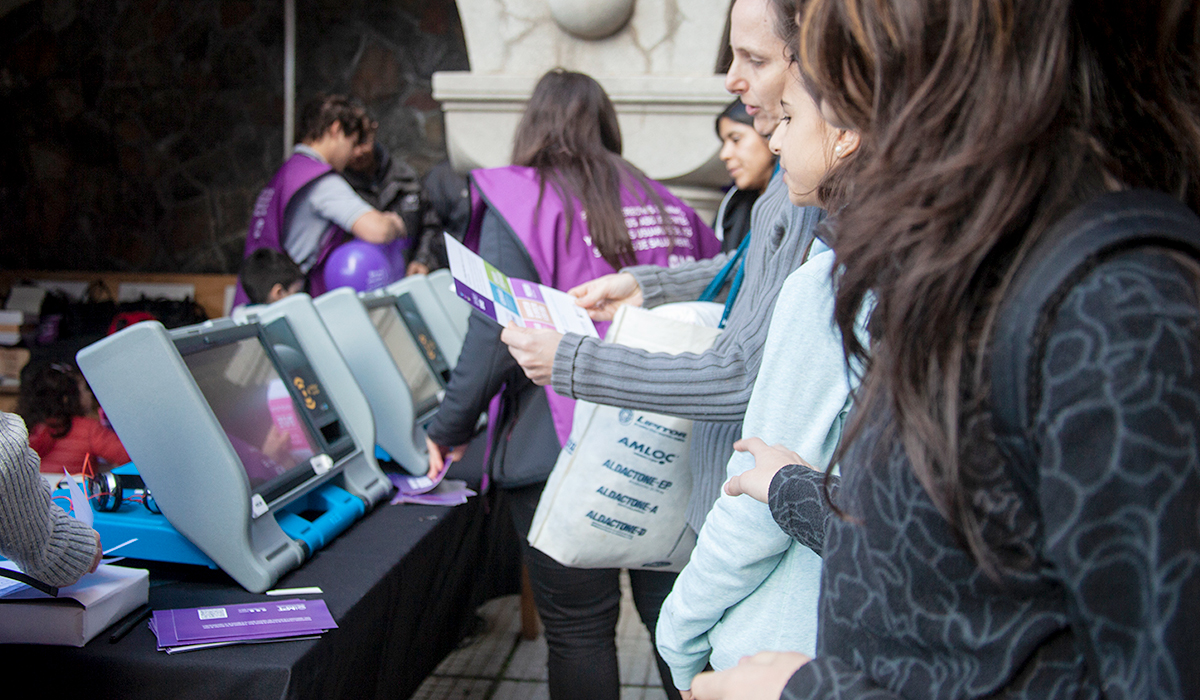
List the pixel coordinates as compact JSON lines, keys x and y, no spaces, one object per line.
{"x":499,"y":665}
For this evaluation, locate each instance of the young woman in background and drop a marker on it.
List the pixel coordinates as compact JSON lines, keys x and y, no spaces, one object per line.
{"x":750,"y":163}
{"x":559,"y":216}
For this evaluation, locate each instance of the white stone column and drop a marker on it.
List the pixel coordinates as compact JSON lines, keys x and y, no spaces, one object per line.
{"x":654,"y":57}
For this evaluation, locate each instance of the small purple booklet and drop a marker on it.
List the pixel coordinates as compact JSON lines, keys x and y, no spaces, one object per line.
{"x":414,"y":485}
{"x":451,"y":492}
{"x":246,"y":621}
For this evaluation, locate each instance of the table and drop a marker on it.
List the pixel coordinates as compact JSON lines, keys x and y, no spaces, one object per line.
{"x":402,"y":584}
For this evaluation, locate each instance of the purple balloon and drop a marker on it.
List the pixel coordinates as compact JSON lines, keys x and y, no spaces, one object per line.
{"x":395,"y":252}
{"x":358,"y":264}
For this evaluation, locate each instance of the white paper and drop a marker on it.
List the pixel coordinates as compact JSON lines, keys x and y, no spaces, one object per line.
{"x":80,"y":505}
{"x":506,"y":299}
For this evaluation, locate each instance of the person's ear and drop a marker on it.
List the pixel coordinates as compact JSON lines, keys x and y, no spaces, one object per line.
{"x":847,"y":143}
{"x":278,"y":291}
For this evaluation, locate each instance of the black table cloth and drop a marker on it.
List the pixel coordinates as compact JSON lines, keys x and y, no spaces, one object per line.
{"x":402,"y":584}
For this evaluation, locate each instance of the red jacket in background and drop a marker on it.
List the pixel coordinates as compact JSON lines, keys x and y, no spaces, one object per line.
{"x":87,"y":436}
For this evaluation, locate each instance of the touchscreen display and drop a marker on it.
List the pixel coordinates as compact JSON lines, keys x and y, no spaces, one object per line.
{"x":254,"y":408}
{"x":425,"y":387}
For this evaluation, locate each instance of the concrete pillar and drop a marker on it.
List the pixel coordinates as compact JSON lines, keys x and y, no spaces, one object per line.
{"x":654,"y":57}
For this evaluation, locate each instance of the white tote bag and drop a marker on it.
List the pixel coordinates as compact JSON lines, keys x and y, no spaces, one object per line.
{"x":617,"y":495}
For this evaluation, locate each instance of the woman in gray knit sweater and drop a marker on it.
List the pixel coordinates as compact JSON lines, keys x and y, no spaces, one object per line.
{"x":711,"y":388}
{"x":37,"y":535}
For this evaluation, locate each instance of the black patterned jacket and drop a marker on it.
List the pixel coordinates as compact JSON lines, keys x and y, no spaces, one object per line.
{"x":1111,"y":606}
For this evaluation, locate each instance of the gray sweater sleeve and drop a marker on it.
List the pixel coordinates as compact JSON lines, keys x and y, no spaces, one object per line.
{"x":663,"y":285}
{"x":710,"y":386}
{"x":37,"y":535}
{"x":687,"y":281}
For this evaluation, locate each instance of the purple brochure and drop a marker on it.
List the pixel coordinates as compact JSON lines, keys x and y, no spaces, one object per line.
{"x":451,"y":492}
{"x":413,"y":485}
{"x":276,"y":618}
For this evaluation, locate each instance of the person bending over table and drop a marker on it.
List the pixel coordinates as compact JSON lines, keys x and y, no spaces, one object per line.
{"x":528,"y":221}
{"x":309,"y":209}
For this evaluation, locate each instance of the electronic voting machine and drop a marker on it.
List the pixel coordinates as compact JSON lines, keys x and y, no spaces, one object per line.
{"x":401,"y":343}
{"x":254,"y":439}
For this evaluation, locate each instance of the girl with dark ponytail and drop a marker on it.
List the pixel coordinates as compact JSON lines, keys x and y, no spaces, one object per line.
{"x":568,"y":210}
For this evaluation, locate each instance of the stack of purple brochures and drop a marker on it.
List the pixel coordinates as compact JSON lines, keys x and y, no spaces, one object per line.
{"x":187,"y":629}
{"x":430,"y":492}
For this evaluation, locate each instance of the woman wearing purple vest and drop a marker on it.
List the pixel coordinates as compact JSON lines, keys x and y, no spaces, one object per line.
{"x":569,"y":210}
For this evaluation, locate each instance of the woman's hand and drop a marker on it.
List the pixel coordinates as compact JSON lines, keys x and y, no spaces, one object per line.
{"x":603,"y":295}
{"x":768,"y":460}
{"x":759,"y":677}
{"x":438,"y":456}
{"x":533,"y":349}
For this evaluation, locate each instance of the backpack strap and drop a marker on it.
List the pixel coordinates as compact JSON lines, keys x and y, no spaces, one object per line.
{"x":1107,"y":225}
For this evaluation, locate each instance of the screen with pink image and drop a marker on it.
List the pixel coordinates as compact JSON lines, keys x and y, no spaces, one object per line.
{"x":254,"y":408}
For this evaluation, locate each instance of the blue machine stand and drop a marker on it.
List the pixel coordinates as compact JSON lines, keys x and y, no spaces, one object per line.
{"x":335,"y":509}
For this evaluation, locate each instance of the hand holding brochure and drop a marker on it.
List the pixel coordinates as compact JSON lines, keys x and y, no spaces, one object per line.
{"x":503,"y":298}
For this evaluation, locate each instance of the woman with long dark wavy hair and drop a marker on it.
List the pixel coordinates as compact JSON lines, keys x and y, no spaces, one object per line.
{"x":949,"y":572}
{"x":569,"y":210}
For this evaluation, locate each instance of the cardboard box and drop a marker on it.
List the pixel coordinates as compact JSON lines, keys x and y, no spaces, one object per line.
{"x":12,"y":361}
{"x":10,"y":326}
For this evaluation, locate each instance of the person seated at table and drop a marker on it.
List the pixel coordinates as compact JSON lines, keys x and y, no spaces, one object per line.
{"x":750,"y":163}
{"x":308,"y":209}
{"x":269,"y":275}
{"x":37,"y":535}
{"x":56,"y":401}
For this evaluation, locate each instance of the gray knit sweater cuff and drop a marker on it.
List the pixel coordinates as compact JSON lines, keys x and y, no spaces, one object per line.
{"x":562,"y":376}
{"x":69,"y":553}
{"x":36,"y":534}
{"x":685,"y":282}
{"x":648,"y":279}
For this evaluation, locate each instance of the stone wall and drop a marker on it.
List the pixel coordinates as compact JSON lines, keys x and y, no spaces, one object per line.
{"x":136,"y":133}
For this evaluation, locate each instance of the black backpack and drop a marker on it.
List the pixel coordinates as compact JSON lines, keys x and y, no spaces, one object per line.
{"x":1093,"y":232}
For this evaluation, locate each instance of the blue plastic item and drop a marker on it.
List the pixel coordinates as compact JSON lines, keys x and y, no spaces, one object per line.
{"x":331,"y":508}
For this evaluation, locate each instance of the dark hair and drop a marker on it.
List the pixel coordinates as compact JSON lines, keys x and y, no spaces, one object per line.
{"x":50,"y":394}
{"x":265,"y":268}
{"x":986,"y":121}
{"x":323,"y":111}
{"x":736,"y":112}
{"x":569,"y":134}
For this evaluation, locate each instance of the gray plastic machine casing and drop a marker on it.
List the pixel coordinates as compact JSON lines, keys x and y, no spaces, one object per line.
{"x":457,"y":308}
{"x":185,"y":458}
{"x":349,"y":324}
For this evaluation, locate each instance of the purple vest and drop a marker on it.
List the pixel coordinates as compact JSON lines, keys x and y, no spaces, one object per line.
{"x":512,"y":192}
{"x":266,"y":223}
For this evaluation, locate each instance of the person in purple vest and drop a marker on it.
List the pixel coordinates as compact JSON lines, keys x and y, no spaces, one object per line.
{"x":308,"y":209}
{"x":569,"y":210}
